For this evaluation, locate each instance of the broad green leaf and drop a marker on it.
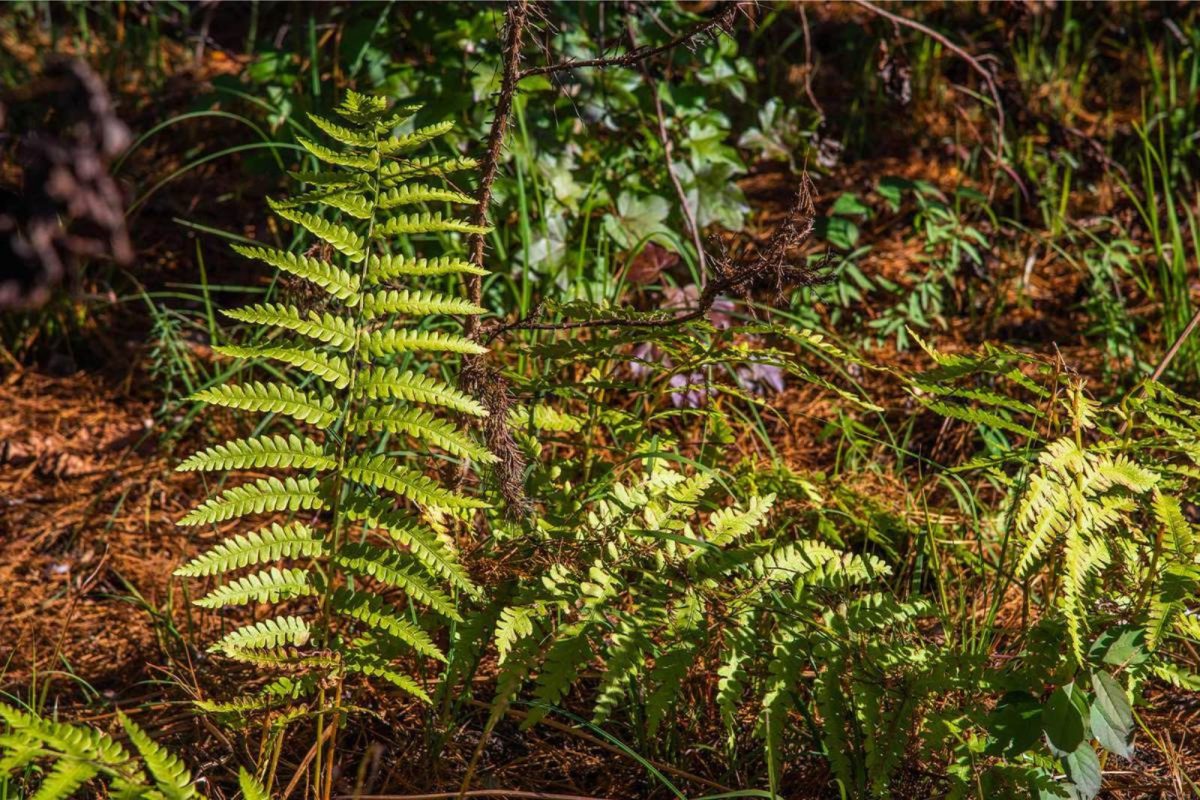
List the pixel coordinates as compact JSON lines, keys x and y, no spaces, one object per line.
{"x":1062,"y":719}
{"x":1111,"y":716}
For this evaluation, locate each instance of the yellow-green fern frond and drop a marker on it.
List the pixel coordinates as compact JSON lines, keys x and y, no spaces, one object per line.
{"x":402,"y":340}
{"x":266,"y":586}
{"x":335,"y":280}
{"x":390,"y":383}
{"x":323,"y":327}
{"x":391,"y":568}
{"x":416,"y":303}
{"x":341,"y":238}
{"x":413,"y":193}
{"x":265,"y":635}
{"x":385,"y":472}
{"x":387,"y":267}
{"x":266,"y":495}
{"x":298,"y":452}
{"x":274,"y":398}
{"x":409,"y":224}
{"x":420,"y":424}
{"x":373,"y":611}
{"x":329,"y":368}
{"x":294,"y":540}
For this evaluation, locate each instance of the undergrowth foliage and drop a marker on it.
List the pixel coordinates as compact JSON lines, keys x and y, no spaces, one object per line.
{"x":364,"y":573}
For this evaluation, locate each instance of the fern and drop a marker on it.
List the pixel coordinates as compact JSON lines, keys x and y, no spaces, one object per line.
{"x":77,"y":754}
{"x":353,"y":534}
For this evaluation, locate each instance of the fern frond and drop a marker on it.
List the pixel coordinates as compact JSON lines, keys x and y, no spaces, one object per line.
{"x":624,"y":658}
{"x":385,"y":472}
{"x":410,"y":224}
{"x":297,"y":452}
{"x":411,"y":141}
{"x":363,"y":163}
{"x":667,"y":675}
{"x":564,"y":661}
{"x":265,"y":635}
{"x":265,"y":495}
{"x":390,"y":382}
{"x":342,"y":134}
{"x":420,"y":424}
{"x":393,"y":172}
{"x":413,"y":193}
{"x":389,"y":567}
{"x":332,"y":369}
{"x":266,"y":586}
{"x":341,"y":238}
{"x":1169,"y":514}
{"x":64,"y":779}
{"x":415,"y":303}
{"x":729,"y":524}
{"x":274,"y":398}
{"x":329,"y":179}
{"x":514,"y":624}
{"x":335,"y":280}
{"x":436,"y":556}
{"x":171,"y":776}
{"x":372,"y":610}
{"x":379,"y":669}
{"x":394,"y":340}
{"x":324,"y":328}
{"x":251,"y":788}
{"x":387,"y":267}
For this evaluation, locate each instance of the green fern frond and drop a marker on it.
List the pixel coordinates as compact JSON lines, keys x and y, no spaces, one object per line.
{"x":64,"y":779}
{"x":274,"y":398}
{"x":415,"y":303}
{"x":332,"y":369}
{"x":514,"y":624}
{"x":421,"y":424}
{"x":251,"y":788}
{"x":171,"y":776}
{"x":364,"y":163}
{"x":265,"y":495}
{"x":411,"y":141}
{"x":329,"y":179}
{"x":387,"y":267}
{"x":429,"y":166}
{"x":391,"y":568}
{"x":424,"y":545}
{"x":385,"y":472}
{"x":297,"y":452}
{"x":324,"y":328}
{"x":729,"y":524}
{"x":564,"y":661}
{"x":379,"y":383}
{"x":265,"y":635}
{"x":372,"y":610}
{"x":393,"y":340}
{"x":411,"y":224}
{"x":266,"y":586}
{"x":624,"y":658}
{"x":413,"y":193}
{"x":379,"y":669}
{"x":341,"y":238}
{"x":335,"y":280}
{"x":342,"y":134}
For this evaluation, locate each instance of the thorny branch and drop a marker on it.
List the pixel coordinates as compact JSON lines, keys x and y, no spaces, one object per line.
{"x":516,"y":14}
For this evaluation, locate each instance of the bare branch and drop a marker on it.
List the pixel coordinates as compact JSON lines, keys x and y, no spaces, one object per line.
{"x":639,"y":54}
